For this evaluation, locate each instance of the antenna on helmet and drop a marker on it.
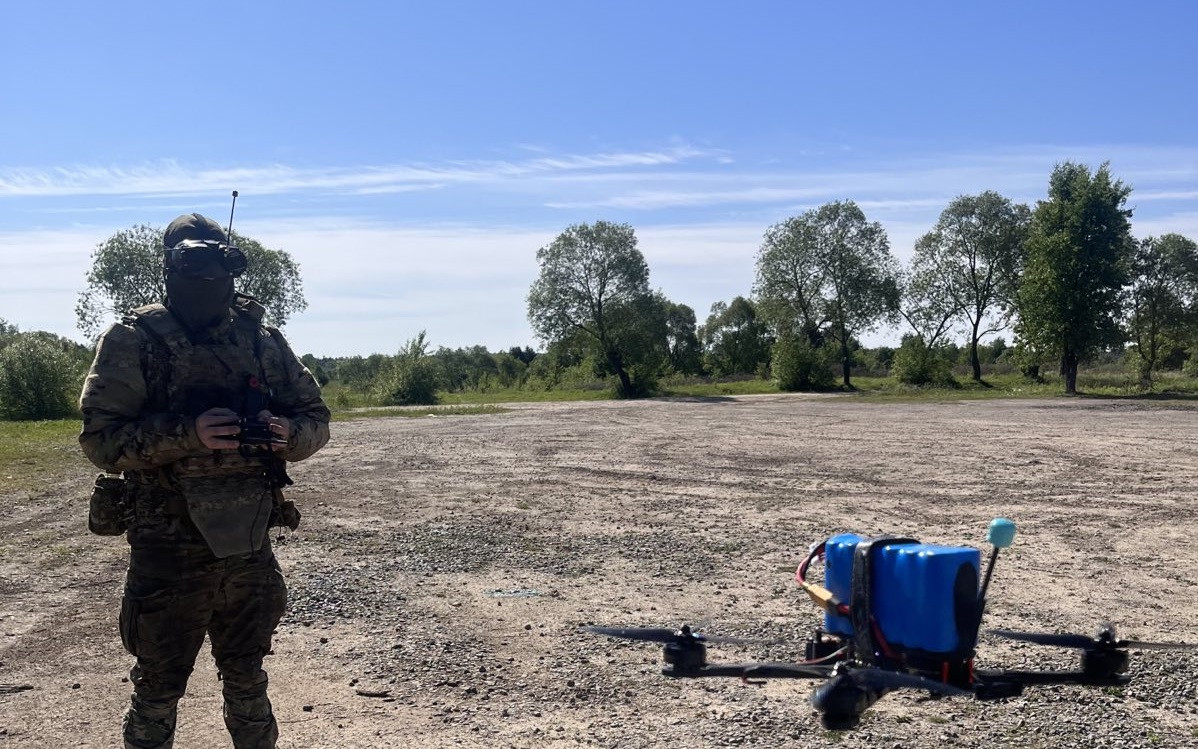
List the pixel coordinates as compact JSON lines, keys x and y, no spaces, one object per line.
{"x":229,"y":231}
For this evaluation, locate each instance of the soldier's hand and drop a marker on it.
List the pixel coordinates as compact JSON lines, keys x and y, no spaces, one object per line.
{"x":280,"y":426}
{"x":217,"y":428}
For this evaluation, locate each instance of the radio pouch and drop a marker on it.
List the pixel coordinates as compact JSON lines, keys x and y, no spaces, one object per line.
{"x":110,"y":512}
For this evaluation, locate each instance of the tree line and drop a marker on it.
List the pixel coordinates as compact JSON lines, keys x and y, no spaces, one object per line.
{"x":1065,"y":279}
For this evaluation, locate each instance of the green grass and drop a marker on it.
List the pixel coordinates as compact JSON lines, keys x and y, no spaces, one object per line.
{"x":1169,"y":386}
{"x":524,"y":396}
{"x":350,"y":404}
{"x":1089,"y":384}
{"x":755,"y":386}
{"x":31,"y":450}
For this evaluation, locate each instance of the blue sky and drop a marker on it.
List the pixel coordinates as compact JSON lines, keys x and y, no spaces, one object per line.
{"x":413,"y":157}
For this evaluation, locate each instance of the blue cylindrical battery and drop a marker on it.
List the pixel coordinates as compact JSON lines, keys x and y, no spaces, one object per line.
{"x":838,"y":578}
{"x":914,"y":590}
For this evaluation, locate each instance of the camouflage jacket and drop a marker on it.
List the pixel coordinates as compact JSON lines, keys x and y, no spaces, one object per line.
{"x":149,"y":381}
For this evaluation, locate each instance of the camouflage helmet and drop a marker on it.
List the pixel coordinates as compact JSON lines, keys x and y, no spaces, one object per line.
{"x":193,"y":226}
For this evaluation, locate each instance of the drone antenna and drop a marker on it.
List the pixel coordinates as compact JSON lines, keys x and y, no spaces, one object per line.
{"x":1000,"y":534}
{"x":229,"y":231}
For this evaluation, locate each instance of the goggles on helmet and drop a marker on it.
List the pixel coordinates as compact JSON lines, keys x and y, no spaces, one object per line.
{"x":192,"y":257}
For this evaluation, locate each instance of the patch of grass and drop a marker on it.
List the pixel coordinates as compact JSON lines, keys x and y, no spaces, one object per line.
{"x":1095,"y":383}
{"x":412,"y":412}
{"x":31,"y":450}
{"x":937,"y":719}
{"x":524,"y":396}
{"x":1089,"y":384}
{"x":755,"y":386}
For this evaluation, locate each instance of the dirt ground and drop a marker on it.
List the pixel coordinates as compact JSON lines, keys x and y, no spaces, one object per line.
{"x":445,"y":564}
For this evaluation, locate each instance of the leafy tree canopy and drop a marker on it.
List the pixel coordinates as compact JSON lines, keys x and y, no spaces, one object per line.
{"x":594,"y":280}
{"x":126,"y":273}
{"x":1163,"y":299}
{"x":736,"y":339}
{"x":1078,"y":254}
{"x":828,"y":269}
{"x":967,"y":268}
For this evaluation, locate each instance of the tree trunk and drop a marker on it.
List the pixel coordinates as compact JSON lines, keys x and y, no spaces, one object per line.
{"x":1069,"y":370}
{"x":617,"y":363}
{"x":974,"y":361}
{"x":845,"y":364}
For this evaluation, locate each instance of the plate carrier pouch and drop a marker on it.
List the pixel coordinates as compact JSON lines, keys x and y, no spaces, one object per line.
{"x":110,"y":511}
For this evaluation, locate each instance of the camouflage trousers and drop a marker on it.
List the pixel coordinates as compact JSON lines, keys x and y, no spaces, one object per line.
{"x":176,"y":591}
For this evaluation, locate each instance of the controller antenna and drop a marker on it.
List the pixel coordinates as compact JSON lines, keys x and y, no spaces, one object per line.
{"x":229,"y":231}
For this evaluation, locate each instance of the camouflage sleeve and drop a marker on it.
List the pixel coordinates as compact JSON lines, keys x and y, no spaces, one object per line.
{"x":118,"y":435}
{"x":297,"y":396}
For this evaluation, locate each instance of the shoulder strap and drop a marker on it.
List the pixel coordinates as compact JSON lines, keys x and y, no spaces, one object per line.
{"x":158,"y":321}
{"x":163,"y":335}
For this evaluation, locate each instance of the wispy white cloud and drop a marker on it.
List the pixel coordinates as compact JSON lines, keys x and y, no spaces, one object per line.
{"x":173,"y":178}
{"x":1142,"y":195}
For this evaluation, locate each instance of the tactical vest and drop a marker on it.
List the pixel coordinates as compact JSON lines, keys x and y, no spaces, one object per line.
{"x":227,"y":494}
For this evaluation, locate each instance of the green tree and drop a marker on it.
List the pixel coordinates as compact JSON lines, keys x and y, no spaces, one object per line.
{"x":685,"y":351}
{"x":1164,"y":289}
{"x":736,"y":340}
{"x":594,"y":281}
{"x":509,"y":370}
{"x":410,"y":378}
{"x":969,"y":264}
{"x":314,"y":366}
{"x":1077,"y":264}
{"x":126,"y":272}
{"x":525,"y":354}
{"x":797,"y":364}
{"x":357,"y":372}
{"x":925,"y":308}
{"x":828,"y":272}
{"x":38,"y":379}
{"x":917,"y":363}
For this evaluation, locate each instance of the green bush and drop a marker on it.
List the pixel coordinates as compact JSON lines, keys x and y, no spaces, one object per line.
{"x":38,"y":380}
{"x":1189,"y":367}
{"x":409,"y":379}
{"x":797,"y":365}
{"x":916,"y":364}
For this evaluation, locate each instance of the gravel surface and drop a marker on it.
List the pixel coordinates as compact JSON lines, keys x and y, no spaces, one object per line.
{"x":445,"y":564}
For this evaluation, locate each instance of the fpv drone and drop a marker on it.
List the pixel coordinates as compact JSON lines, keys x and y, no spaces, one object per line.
{"x":898,"y":614}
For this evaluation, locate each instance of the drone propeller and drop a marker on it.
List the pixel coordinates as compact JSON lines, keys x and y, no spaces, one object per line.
{"x":666,"y":636}
{"x":1106,"y":640}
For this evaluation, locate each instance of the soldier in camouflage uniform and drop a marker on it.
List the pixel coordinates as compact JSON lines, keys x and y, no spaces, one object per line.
{"x":161,"y":405}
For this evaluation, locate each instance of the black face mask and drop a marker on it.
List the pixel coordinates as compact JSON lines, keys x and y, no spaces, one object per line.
{"x":200,"y":303}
